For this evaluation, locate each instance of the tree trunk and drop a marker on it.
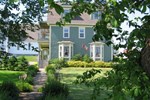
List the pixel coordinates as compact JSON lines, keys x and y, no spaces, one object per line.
{"x":145,"y":58}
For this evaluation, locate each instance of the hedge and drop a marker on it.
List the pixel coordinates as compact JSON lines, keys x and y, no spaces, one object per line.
{"x":100,"y":64}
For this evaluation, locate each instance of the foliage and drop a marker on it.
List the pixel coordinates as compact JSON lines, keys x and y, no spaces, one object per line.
{"x":98,"y":64}
{"x":10,"y":90}
{"x":87,"y":59}
{"x":55,"y":88}
{"x":59,"y":63}
{"x":15,"y":21}
{"x":32,"y":70}
{"x":77,"y":57}
{"x":120,"y":81}
{"x":24,"y":87}
{"x":22,"y":63}
{"x":50,"y":68}
{"x":13,"y":63}
{"x":29,"y":80}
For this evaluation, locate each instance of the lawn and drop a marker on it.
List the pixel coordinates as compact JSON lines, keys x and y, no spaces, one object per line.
{"x":10,"y":75}
{"x":78,"y":92}
{"x":31,"y":58}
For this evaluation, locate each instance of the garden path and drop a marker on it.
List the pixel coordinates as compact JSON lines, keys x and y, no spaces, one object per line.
{"x":39,"y":81}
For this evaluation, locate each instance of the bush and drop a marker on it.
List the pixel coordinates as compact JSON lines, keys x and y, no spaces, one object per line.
{"x":59,"y":63}
{"x":25,"y":87}
{"x":32,"y":70}
{"x":22,"y":63}
{"x":55,"y":88}
{"x":29,"y":80}
{"x":77,"y":57}
{"x":6,"y":96}
{"x":100,"y":64}
{"x":12,"y":63}
{"x":50,"y":68}
{"x":87,"y":59}
{"x":9,"y":90}
{"x":77,"y":64}
{"x":60,"y":97}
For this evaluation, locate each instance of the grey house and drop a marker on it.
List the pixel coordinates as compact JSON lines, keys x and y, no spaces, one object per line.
{"x":73,"y":38}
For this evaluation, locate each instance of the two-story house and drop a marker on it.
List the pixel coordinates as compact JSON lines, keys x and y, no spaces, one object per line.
{"x":28,"y":43}
{"x":73,"y":38}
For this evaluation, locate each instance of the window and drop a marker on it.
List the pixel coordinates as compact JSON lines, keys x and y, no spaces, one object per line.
{"x":66,"y":33}
{"x":65,"y":12}
{"x":81,"y":32}
{"x":65,"y":49}
{"x":97,"y":51}
{"x":29,"y":46}
{"x":95,"y":15}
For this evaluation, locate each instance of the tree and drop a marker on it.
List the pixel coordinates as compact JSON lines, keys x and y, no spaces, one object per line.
{"x":128,"y":78}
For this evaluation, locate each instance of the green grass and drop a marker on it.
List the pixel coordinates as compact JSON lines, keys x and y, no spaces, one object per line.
{"x":78,"y":92}
{"x":31,"y":58}
{"x":10,"y":75}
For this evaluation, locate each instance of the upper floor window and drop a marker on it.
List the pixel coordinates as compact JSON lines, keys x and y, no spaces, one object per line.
{"x":65,"y":12}
{"x":81,"y":32}
{"x":66,"y":33}
{"x":95,"y":15}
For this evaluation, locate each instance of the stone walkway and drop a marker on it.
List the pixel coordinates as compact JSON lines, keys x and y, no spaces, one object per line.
{"x":39,"y":81}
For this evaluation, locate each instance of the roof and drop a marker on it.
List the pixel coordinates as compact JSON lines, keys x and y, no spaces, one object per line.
{"x":33,"y":35}
{"x":84,"y":19}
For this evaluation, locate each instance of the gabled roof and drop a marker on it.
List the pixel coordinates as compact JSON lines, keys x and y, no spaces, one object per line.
{"x":84,"y":19}
{"x":33,"y":35}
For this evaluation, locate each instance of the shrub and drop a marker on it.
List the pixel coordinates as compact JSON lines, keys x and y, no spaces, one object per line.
{"x":9,"y":90}
{"x":50,"y":68}
{"x":12,"y":63}
{"x":32,"y":70}
{"x":100,"y":64}
{"x":59,"y":63}
{"x":60,"y":97}
{"x":55,"y":88}
{"x":77,"y":64}
{"x":29,"y":80}
{"x":6,"y":96}
{"x":22,"y":63}
{"x":4,"y":62}
{"x":87,"y":59}
{"x":77,"y":57}
{"x":25,"y":87}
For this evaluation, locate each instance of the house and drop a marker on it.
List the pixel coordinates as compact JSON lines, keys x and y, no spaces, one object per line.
{"x":17,"y":50}
{"x":73,"y":38}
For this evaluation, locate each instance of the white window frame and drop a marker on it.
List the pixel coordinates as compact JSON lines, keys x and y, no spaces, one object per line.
{"x":61,"y":50}
{"x":93,"y":17}
{"x":93,"y":51}
{"x":68,"y":28}
{"x":82,"y":32}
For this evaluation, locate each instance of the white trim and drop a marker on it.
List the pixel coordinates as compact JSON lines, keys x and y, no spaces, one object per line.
{"x":112,"y":51}
{"x":50,"y":42}
{"x":62,"y":44}
{"x":93,"y":46}
{"x":68,"y":32}
{"x":81,"y":32}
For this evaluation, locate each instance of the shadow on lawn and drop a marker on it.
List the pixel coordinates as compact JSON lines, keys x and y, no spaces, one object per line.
{"x":79,"y":91}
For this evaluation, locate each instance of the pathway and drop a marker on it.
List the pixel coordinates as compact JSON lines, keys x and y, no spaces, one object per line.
{"x":39,"y":81}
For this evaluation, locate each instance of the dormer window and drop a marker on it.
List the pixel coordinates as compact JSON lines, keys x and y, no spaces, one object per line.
{"x":65,"y":12}
{"x":95,"y":15}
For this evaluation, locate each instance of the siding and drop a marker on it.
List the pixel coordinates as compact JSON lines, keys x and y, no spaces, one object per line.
{"x":57,"y":35}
